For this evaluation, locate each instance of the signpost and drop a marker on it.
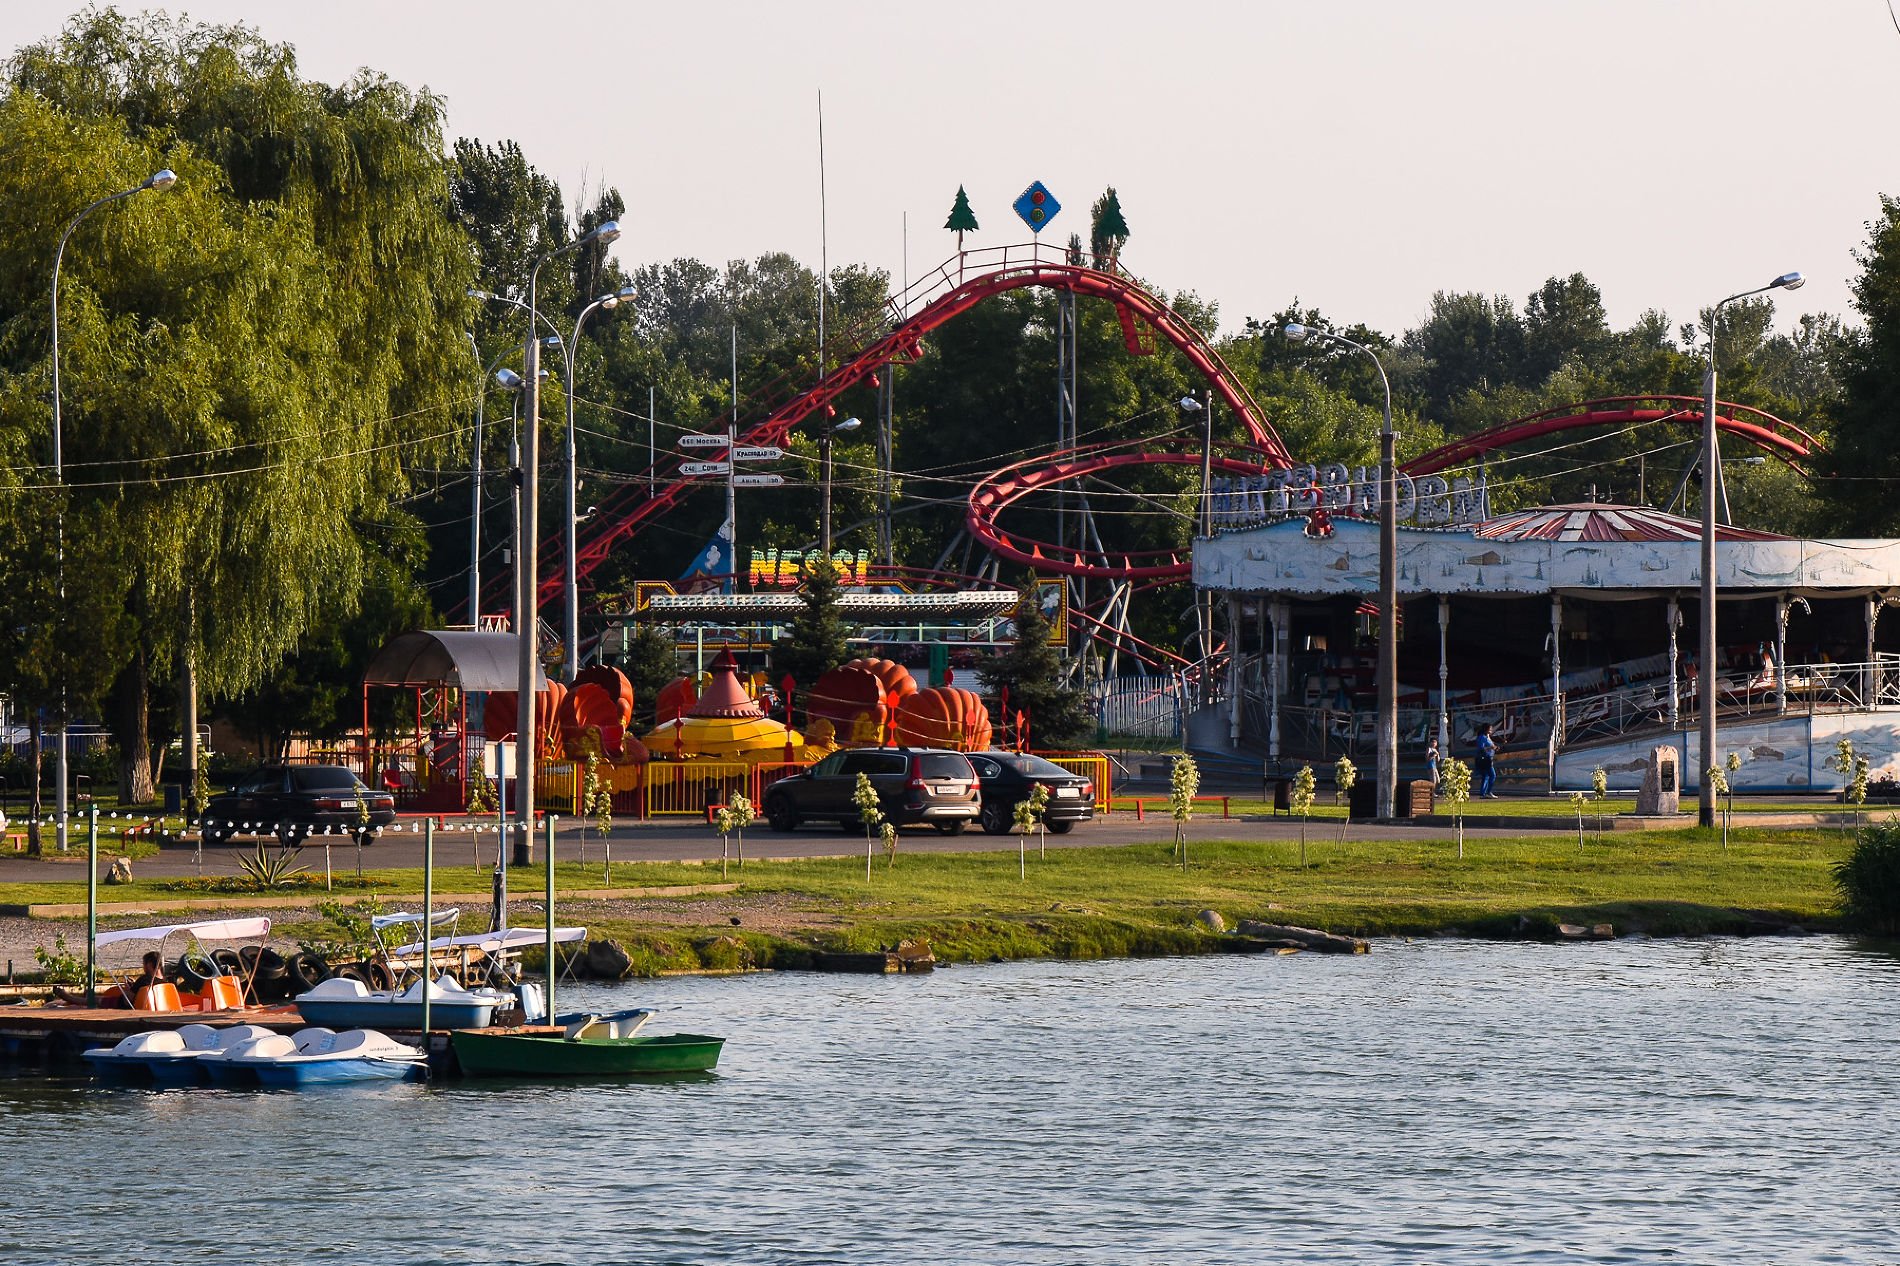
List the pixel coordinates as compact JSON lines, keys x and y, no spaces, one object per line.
{"x":757,"y":454}
{"x":757,"y":481}
{"x":704,"y":468}
{"x":702,"y":441}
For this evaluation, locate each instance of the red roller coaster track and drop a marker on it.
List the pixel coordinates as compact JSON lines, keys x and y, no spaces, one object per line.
{"x":964,"y":282}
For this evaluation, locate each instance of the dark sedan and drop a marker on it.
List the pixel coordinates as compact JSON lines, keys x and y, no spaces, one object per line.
{"x":297,"y":801}
{"x":1008,"y":778}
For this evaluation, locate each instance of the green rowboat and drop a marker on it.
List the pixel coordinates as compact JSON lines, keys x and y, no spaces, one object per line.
{"x":553,"y":1054}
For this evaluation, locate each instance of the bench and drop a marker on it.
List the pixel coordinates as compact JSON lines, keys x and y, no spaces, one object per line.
{"x":1140,"y":801}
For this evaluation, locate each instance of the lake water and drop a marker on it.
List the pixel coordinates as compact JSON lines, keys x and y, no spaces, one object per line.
{"x":1632,"y":1101}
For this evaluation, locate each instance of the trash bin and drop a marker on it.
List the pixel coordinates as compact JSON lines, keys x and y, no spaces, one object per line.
{"x":1362,"y":802}
{"x":174,"y":798}
{"x":1279,"y":790}
{"x":1418,"y":800}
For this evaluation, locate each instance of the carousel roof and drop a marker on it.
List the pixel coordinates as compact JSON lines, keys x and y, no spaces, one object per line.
{"x":1595,"y":521}
{"x":724,"y":696}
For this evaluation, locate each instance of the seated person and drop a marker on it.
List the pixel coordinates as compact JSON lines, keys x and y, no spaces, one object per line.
{"x":122,"y":995}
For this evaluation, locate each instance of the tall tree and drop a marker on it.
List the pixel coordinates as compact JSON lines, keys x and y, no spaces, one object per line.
{"x":1108,"y":231}
{"x":1059,"y":715}
{"x":815,"y":643}
{"x":252,"y":362}
{"x":1865,"y":455}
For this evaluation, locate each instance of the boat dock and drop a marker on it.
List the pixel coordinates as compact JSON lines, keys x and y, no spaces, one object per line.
{"x":52,"y":1039}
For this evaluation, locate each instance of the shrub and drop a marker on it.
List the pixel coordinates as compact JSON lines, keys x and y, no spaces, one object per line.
{"x":1869,"y":881}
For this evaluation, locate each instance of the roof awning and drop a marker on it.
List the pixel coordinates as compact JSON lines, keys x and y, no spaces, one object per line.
{"x":206,"y":930}
{"x":462,"y":658}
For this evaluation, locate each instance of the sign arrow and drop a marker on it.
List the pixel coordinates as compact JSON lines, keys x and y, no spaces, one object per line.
{"x":702,"y":441}
{"x":757,"y":481}
{"x":704,"y":468}
{"x":757,"y":454}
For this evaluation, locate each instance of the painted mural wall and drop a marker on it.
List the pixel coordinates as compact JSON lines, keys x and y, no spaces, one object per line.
{"x":1281,"y":558}
{"x":1780,"y":754}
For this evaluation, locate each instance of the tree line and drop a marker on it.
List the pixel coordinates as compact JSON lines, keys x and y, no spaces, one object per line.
{"x":269,"y":377}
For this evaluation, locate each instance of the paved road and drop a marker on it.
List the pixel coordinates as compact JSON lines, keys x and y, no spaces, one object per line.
{"x":687,"y":839}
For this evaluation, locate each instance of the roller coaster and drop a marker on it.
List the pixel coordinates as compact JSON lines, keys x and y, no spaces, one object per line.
{"x":971,"y":277}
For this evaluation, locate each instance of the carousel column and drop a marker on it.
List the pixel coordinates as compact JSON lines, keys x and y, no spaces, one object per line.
{"x":1781,"y":656}
{"x":1444,"y":680}
{"x":1870,"y":684}
{"x":1233,"y":670}
{"x":1556,"y":683}
{"x":1672,"y":616}
{"x":1277,"y":612}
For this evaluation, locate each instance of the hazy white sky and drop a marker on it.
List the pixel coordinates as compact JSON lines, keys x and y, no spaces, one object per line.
{"x":1356,"y":155}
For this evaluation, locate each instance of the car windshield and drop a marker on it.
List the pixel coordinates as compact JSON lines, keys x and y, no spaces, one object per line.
{"x":945,"y":765}
{"x":1037,"y":767}
{"x":322,"y":778}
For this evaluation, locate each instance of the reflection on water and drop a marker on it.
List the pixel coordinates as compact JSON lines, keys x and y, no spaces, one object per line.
{"x":1442,"y":1102}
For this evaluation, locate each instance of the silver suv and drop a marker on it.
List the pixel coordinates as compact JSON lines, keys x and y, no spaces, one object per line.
{"x":915,"y":785}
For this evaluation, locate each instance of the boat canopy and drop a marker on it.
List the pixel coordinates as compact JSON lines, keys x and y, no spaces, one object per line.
{"x":495,"y":942}
{"x":207,"y":930}
{"x":381,"y":921}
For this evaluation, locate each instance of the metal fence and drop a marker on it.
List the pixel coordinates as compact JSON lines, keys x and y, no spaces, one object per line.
{"x":1142,"y":707}
{"x":1091,"y":765}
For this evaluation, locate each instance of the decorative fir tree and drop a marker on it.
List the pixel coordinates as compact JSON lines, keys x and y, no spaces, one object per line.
{"x":1059,"y":716}
{"x":1108,"y":231}
{"x":962,"y":220}
{"x":816,"y":643}
{"x":651,"y":663}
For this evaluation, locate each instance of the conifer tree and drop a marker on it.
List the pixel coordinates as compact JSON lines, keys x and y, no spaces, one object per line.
{"x":816,"y":643}
{"x":1108,"y":231}
{"x":1059,"y":716}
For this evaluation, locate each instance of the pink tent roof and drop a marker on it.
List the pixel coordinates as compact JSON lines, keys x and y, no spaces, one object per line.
{"x":1600,"y":522}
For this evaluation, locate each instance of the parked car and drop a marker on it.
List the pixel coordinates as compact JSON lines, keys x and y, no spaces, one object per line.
{"x":915,"y":785}
{"x":1009,"y":777}
{"x":296,"y":801}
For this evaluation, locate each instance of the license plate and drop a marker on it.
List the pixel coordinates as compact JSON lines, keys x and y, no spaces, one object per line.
{"x":947,"y":789}
{"x":346,"y":804}
{"x":1068,"y":793}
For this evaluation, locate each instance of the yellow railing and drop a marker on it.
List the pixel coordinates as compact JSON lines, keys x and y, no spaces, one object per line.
{"x":557,"y":786}
{"x":687,"y":787}
{"x":1091,"y":766}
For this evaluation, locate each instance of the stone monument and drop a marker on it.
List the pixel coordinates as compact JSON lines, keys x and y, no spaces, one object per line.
{"x":1662,"y":787}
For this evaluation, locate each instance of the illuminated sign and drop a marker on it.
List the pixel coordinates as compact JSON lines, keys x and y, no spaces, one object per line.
{"x":1428,"y":501}
{"x":780,"y":569}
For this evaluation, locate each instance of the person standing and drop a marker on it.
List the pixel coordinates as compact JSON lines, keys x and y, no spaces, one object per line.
{"x":1431,"y":761}
{"x":1485,"y":766}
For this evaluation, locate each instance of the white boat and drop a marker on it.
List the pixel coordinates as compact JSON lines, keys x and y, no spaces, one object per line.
{"x":172,"y":1057}
{"x":344,"y":1003}
{"x":320,"y":1056}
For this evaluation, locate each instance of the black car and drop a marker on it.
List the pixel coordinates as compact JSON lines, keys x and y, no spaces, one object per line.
{"x":1008,"y":778}
{"x":914,"y":785}
{"x":296,"y":801}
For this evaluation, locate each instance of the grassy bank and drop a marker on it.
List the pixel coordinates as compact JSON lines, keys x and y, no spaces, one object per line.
{"x":1090,"y":903}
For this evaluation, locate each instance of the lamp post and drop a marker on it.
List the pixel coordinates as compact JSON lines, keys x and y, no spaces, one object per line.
{"x":160,"y":180}
{"x":824,"y":514}
{"x":1204,"y":526}
{"x":1388,"y":773}
{"x":571,"y":606}
{"x":1711,"y":480}
{"x":526,"y":559}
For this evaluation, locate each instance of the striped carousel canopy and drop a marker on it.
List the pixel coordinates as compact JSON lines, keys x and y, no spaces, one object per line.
{"x":1600,"y":522}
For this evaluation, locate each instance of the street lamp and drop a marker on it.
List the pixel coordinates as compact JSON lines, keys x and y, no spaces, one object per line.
{"x":1388,"y":773}
{"x":160,"y":180}
{"x":824,"y":518}
{"x":526,"y":559}
{"x":571,"y":614}
{"x":1711,"y":477}
{"x":475,"y":464}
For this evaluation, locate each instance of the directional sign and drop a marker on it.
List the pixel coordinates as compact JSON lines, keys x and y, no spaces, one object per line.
{"x":704,"y":468}
{"x":757,"y":454}
{"x":1037,"y":206}
{"x":703,"y":441}
{"x":757,"y":481}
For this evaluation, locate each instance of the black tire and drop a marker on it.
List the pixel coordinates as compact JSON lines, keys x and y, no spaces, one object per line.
{"x":212,"y":837}
{"x":290,"y":835}
{"x":351,"y":971}
{"x":305,"y":972}
{"x":229,"y":961}
{"x":1062,"y":827}
{"x":270,"y":965}
{"x":365,"y":838}
{"x":379,"y":977}
{"x":781,"y":814}
{"x":996,"y":818}
{"x":951,"y":828}
{"x":195,"y":970}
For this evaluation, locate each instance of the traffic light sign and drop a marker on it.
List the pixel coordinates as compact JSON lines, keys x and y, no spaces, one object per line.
{"x":1037,"y":206}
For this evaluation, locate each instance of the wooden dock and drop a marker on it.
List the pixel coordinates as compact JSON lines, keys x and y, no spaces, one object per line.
{"x":51,"y":1037}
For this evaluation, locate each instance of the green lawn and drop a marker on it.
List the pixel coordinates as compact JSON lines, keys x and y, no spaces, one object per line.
{"x":1092,"y":902}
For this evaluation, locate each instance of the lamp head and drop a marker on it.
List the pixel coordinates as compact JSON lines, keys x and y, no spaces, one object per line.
{"x":475,"y":293}
{"x":509,"y":380}
{"x":849,"y":424}
{"x":1294,"y":332}
{"x":161,"y":180}
{"x":552,"y":340}
{"x":1788,"y":281}
{"x":605,"y":232}
{"x":1189,"y":404}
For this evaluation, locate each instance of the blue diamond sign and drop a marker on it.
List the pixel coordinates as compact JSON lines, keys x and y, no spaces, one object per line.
{"x":1037,"y":207}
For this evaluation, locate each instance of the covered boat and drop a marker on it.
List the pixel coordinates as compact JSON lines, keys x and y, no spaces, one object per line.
{"x":344,"y":1003}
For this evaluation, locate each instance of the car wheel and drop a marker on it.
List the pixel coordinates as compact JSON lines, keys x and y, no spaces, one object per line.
{"x":996,"y":817}
{"x":780,"y":813}
{"x":951,"y":828}
{"x":291,"y":836}
{"x":1063,"y":827}
{"x":211,"y":838}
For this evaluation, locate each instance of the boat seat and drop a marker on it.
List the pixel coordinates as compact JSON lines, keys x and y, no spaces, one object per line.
{"x":339,"y":988}
{"x":200,"y":1037}
{"x":156,"y":1042}
{"x":160,"y":997}
{"x":221,"y":993}
{"x":314,"y":1041}
{"x":211,"y":1038}
{"x":579,"y":1029}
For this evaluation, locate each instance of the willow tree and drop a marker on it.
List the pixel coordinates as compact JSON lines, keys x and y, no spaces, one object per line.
{"x":252,"y":362}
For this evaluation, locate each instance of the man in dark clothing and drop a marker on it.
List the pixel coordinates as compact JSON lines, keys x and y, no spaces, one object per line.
{"x":1485,"y":765}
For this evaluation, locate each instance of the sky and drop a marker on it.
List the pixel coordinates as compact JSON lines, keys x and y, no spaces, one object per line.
{"x":1356,"y":155}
